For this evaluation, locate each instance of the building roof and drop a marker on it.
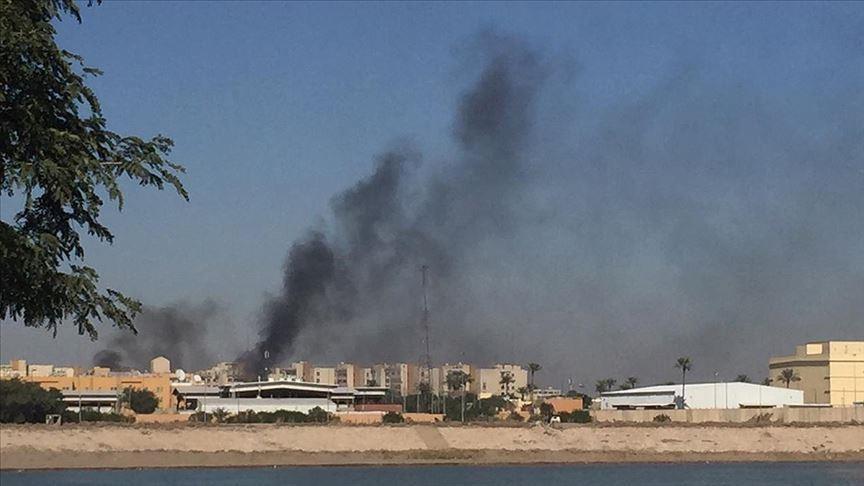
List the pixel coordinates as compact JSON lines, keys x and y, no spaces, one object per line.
{"x":269,"y":402}
{"x":195,"y":389}
{"x":673,"y":389}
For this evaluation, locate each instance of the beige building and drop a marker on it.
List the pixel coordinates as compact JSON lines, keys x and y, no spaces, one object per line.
{"x":325,"y":375}
{"x":829,"y":372}
{"x":40,"y":370}
{"x":489,"y":380}
{"x":17,"y":368}
{"x":303,"y":371}
{"x":439,"y":377}
{"x":400,"y":378}
{"x":350,"y":375}
{"x":160,"y":364}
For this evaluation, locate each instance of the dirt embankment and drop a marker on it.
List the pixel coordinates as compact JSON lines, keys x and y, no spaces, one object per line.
{"x":101,"y":446}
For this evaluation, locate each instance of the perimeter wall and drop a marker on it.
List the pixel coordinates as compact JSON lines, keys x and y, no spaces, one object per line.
{"x":740,"y":415}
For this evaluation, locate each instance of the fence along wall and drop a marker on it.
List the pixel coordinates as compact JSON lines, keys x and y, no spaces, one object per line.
{"x":741,"y":415}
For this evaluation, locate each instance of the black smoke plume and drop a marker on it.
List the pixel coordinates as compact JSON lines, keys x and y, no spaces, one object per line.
{"x":366,"y":266}
{"x":177,"y":332}
{"x":697,"y":215}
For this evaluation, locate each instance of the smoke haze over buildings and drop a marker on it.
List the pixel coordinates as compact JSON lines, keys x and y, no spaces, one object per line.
{"x":178,"y":331}
{"x":599,"y":225}
{"x":701,"y":220}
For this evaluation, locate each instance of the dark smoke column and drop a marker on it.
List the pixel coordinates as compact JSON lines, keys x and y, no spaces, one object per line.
{"x":309,"y":271}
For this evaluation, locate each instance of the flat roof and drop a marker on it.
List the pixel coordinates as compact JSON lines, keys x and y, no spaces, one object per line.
{"x":672,"y":389}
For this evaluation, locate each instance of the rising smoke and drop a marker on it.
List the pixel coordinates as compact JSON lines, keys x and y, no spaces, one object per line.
{"x":700,"y":219}
{"x":177,"y":332}
{"x":383,"y":232}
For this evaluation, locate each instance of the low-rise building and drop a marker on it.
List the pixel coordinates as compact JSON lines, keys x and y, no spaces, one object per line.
{"x":828,"y":372}
{"x":40,"y":370}
{"x":548,"y":392}
{"x":160,"y":385}
{"x":701,"y":396}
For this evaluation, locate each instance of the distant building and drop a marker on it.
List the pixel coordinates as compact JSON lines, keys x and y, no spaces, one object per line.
{"x":829,"y":372}
{"x":548,"y":392}
{"x":439,"y":377}
{"x":400,"y":378}
{"x":17,"y":368}
{"x":63,"y":371}
{"x":350,"y":375}
{"x":40,"y":370}
{"x":489,"y":380}
{"x":223,"y":373}
{"x":303,"y":370}
{"x":159,"y":365}
{"x":160,"y":384}
{"x":701,"y":395}
{"x":565,"y":404}
{"x":324,"y":375}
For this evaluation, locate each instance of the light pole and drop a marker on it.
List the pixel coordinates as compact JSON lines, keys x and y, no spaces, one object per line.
{"x":716,"y":374}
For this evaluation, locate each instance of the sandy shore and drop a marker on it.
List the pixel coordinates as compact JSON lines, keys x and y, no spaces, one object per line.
{"x":113,"y":446}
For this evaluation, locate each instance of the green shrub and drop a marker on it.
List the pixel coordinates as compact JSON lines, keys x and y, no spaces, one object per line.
{"x":23,"y":402}
{"x":70,"y":416}
{"x":139,"y":400}
{"x":318,"y":415}
{"x":392,"y":418}
{"x":576,"y":417}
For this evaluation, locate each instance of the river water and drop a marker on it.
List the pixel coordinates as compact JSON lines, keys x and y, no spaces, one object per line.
{"x":786,"y":474}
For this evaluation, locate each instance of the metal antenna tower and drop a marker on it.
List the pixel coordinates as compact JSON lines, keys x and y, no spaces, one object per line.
{"x":427,"y":358}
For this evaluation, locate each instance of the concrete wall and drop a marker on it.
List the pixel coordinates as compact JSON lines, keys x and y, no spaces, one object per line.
{"x":742,"y":415}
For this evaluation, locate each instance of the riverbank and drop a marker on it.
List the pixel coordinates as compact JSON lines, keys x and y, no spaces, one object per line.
{"x":113,"y":446}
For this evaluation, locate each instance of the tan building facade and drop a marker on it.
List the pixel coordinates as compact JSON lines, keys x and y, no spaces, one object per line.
{"x":489,"y":380}
{"x":324,"y":375}
{"x":160,"y":364}
{"x":160,"y":385}
{"x":439,"y":377}
{"x":350,"y":375}
{"x":828,"y":372}
{"x":401,"y":378}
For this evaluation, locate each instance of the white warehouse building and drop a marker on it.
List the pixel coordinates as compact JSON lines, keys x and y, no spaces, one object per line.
{"x":702,"y":396}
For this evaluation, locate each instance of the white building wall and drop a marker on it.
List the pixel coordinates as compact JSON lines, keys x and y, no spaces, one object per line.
{"x":235,"y":405}
{"x":705,"y":396}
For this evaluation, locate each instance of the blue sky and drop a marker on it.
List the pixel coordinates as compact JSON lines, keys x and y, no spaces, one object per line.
{"x":275,"y":107}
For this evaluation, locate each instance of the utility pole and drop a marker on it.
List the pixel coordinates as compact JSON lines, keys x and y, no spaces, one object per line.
{"x":427,"y":358}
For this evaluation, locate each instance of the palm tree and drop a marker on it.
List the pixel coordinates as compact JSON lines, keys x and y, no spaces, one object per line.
{"x":462,"y":379}
{"x":742,"y":379}
{"x":629,"y":383}
{"x":684,"y":365}
{"x":605,"y":385}
{"x":600,"y":386}
{"x":787,"y":376}
{"x":522,"y":391}
{"x":532,"y":368}
{"x":767,"y":381}
{"x":506,"y":380}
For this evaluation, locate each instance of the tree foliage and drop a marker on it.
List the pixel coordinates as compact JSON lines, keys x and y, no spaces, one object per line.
{"x":59,"y":164}
{"x":23,"y":402}
{"x":140,"y":400}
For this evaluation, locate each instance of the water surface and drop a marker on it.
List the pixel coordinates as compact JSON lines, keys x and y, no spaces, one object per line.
{"x":816,"y":474}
